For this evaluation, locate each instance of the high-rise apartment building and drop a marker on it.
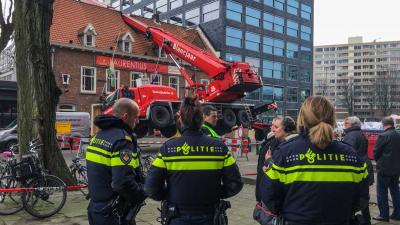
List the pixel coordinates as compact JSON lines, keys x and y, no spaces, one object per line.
{"x":361,"y":79}
{"x":274,"y":36}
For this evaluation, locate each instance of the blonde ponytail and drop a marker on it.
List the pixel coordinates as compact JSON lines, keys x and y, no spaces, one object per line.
{"x":321,"y":135}
{"x":317,"y":115}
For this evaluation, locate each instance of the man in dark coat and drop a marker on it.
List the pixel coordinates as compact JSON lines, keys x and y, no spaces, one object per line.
{"x":387,"y":156}
{"x":355,"y":138}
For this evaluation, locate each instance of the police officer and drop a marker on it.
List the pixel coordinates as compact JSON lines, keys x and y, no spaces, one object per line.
{"x":113,"y":165}
{"x":210,"y":121}
{"x":312,"y":179}
{"x":198,"y":171}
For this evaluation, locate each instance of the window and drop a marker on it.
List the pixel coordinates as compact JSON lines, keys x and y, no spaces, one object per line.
{"x":305,"y":76}
{"x":125,"y":43}
{"x":177,"y":20}
{"x":234,"y":11}
{"x":233,"y":37}
{"x":252,"y":41}
{"x":254,"y":63}
{"x":254,"y":95}
{"x":272,"y":69}
{"x":189,"y":1}
{"x":292,"y":6}
{"x":173,"y":4}
{"x":305,"y":12}
{"x":88,"y":79}
{"x":292,"y":113}
{"x":192,"y":17}
{"x":304,"y":94}
{"x":273,"y":46}
{"x":292,"y":28}
{"x":253,"y":17}
{"x":156,"y":79}
{"x":88,"y":36}
{"x":278,"y":94}
{"x":278,"y":4}
{"x":292,"y":50}
{"x":291,"y":72}
{"x":305,"y":54}
{"x":112,"y":82}
{"x":269,"y":3}
{"x":211,"y":11}
{"x":137,"y":12}
{"x":174,"y":83}
{"x":134,"y":76}
{"x":274,"y":23}
{"x":66,"y":108}
{"x":291,"y":94}
{"x":233,"y":57}
{"x":148,"y":10}
{"x":268,"y":93}
{"x":305,"y":33}
{"x":161,"y":6}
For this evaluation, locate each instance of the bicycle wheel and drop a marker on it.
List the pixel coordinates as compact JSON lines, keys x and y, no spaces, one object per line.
{"x":81,"y":177}
{"x":47,"y":198}
{"x":10,"y":203}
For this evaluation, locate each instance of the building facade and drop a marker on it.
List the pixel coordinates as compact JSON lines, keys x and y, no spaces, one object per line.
{"x":86,"y":38}
{"x":273,"y":36}
{"x":7,"y":63}
{"x":360,"y":78}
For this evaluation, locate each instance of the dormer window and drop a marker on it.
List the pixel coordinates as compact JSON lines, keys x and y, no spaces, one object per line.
{"x":125,"y":42}
{"x":88,"y":35}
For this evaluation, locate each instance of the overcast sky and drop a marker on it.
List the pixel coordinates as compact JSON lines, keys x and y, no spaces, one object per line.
{"x":336,"y":20}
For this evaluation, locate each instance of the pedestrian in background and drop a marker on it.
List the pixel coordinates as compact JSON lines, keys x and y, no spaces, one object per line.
{"x":192,"y":173}
{"x":210,"y":121}
{"x":283,"y":128}
{"x":355,"y":138}
{"x":387,"y":156}
{"x":313,"y":179}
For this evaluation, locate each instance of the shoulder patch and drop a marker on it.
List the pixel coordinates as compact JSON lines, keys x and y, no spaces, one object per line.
{"x":125,"y":156}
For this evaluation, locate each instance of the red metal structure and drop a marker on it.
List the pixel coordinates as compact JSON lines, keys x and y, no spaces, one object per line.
{"x":228,"y":82}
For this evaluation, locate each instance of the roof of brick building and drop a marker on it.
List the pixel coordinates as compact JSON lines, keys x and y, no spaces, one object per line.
{"x":71,"y":17}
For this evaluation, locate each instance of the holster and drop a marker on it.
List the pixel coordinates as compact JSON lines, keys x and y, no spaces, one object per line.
{"x":167,"y":212}
{"x":220,"y":217}
{"x":124,"y":211}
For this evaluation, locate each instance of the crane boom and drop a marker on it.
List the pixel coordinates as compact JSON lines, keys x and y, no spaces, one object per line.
{"x":229,"y":81}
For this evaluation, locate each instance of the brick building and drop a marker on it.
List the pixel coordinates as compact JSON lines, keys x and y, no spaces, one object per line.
{"x":84,"y":39}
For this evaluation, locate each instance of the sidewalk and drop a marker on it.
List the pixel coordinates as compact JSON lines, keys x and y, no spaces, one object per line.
{"x":74,"y":211}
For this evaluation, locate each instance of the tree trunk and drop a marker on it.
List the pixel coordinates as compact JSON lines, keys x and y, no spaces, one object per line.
{"x":38,"y":93}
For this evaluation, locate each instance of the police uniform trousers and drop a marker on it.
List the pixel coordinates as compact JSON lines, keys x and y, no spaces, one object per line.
{"x":96,"y":217}
{"x":196,"y":219}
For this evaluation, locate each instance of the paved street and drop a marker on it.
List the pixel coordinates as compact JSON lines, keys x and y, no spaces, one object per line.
{"x":74,"y":212}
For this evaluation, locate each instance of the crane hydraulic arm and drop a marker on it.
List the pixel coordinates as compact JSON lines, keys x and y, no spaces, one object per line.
{"x":229,"y":81}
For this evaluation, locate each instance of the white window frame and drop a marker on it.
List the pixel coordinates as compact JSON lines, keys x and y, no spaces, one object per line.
{"x":118,"y":76}
{"x":127,"y":39}
{"x":177,"y":83}
{"x":132,"y":77}
{"x":89,"y":31}
{"x":65,"y":78}
{"x":73,"y":108}
{"x":158,"y":75}
{"x":94,"y":82}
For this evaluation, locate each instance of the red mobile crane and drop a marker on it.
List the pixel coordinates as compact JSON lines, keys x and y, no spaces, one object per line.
{"x":229,"y":82}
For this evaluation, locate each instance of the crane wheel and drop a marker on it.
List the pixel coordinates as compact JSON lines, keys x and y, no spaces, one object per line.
{"x":160,"y":116}
{"x":243,"y":118}
{"x":228,"y":118}
{"x":141,"y":130}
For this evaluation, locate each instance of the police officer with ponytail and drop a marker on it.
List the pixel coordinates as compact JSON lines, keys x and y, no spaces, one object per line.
{"x":313,"y":179}
{"x":192,"y":173}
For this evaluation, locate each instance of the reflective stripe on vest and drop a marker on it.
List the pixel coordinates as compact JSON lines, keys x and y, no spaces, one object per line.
{"x":212,"y":132}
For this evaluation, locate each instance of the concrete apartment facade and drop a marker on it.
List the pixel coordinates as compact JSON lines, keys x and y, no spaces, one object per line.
{"x":274,"y":36}
{"x":360,"y":78}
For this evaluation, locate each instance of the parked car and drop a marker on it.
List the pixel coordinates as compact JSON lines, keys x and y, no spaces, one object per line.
{"x":79,"y":126}
{"x":8,"y":136}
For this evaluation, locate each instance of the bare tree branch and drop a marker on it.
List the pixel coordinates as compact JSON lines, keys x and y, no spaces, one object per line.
{"x":6,"y":28}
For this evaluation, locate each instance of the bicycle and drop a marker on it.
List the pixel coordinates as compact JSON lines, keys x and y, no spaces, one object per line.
{"x":79,"y":171}
{"x":39,"y":190}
